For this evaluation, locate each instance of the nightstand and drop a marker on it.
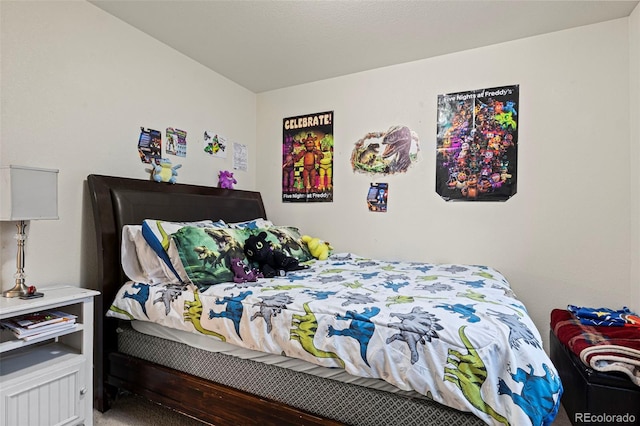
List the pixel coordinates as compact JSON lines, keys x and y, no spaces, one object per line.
{"x":48,"y":380}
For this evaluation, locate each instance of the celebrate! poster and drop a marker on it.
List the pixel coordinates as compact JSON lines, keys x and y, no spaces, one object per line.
{"x":307,"y":158}
{"x":477,"y":144}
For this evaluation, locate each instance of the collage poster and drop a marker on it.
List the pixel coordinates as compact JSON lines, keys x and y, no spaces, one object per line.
{"x":150,"y":145}
{"x":477,"y":144}
{"x":176,"y":142}
{"x":307,"y":158}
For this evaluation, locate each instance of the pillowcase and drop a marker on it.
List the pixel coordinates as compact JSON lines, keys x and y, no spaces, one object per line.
{"x":206,"y":253}
{"x":141,"y":263}
{"x":288,"y":239}
{"x":251,"y":224}
{"x":157,"y":233}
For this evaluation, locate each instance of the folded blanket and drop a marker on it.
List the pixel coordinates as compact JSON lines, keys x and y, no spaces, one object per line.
{"x":603,"y":348}
{"x":605,"y":316}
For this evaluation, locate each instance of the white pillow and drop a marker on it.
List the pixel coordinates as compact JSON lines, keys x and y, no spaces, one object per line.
{"x":141,"y":263}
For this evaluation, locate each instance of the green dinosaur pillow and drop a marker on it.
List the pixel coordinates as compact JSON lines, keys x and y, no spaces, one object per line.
{"x":206,"y":253}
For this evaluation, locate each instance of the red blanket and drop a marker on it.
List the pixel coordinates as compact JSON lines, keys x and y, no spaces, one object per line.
{"x":601,"y":348}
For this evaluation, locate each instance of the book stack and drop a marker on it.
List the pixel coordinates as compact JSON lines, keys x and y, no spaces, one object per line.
{"x":40,"y":324}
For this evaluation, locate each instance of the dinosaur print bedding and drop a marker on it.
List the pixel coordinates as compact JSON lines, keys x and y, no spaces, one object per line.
{"x":455,"y":333}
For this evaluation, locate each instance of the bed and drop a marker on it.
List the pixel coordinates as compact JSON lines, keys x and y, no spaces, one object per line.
{"x":349,"y":340}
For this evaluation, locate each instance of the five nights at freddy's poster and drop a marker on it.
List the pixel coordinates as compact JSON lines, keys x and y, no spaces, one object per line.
{"x":477,"y":144}
{"x":307,"y":158}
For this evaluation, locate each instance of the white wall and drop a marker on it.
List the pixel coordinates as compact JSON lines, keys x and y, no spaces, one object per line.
{"x":77,"y":85}
{"x":563,"y":238}
{"x":634,"y":114}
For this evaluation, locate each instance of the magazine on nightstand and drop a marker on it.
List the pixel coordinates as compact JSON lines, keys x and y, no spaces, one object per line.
{"x":39,"y":324}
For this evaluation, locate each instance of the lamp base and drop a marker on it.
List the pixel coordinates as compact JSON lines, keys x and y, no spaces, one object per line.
{"x":32,"y":295}
{"x":17,"y":291}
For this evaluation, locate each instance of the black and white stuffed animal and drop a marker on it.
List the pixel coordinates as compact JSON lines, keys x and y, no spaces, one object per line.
{"x":271,"y":262}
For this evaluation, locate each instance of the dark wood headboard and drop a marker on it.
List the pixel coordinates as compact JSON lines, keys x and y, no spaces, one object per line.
{"x":120,"y":201}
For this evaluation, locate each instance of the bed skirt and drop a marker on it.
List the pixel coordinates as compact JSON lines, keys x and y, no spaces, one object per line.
{"x":344,"y":402}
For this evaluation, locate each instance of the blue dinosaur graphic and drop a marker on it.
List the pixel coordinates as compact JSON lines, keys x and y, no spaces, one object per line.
{"x":233,"y":311}
{"x":361,"y":328}
{"x":415,"y":327}
{"x":368,"y":275}
{"x":291,"y":277}
{"x":540,"y":409}
{"x":466,"y":311}
{"x":474,"y":284}
{"x":141,"y":296}
{"x":320,"y":295}
{"x":421,"y":267}
{"x":395,"y":286}
{"x":517,"y":329}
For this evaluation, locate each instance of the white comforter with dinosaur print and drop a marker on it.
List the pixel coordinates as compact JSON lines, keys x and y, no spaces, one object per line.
{"x":456,"y":333}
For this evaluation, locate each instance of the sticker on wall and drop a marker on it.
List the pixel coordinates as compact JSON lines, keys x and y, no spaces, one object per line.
{"x":307,"y":158}
{"x":150,"y":145}
{"x":477,"y":144}
{"x":176,"y":142}
{"x":214,"y":144}
{"x":377,"y":197}
{"x":387,"y":152}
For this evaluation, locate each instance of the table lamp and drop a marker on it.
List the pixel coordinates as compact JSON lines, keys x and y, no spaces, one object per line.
{"x":26,"y":193}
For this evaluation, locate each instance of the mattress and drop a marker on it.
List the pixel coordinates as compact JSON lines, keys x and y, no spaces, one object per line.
{"x":345,"y":402}
{"x":212,"y":345}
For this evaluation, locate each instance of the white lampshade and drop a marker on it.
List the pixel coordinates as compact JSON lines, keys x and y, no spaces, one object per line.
{"x":28,"y":193}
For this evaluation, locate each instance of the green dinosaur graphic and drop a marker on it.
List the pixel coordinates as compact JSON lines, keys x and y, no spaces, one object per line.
{"x":121,"y":311}
{"x":357,"y":284}
{"x":469,"y":373}
{"x":165,"y":236}
{"x":193,"y":312}
{"x":484,"y":274}
{"x":400,"y":299}
{"x":304,"y":330}
{"x":282,"y":287}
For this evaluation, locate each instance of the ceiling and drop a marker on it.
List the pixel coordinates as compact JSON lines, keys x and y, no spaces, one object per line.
{"x":269,"y":44}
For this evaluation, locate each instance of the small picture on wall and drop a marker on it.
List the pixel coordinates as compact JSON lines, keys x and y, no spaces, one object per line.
{"x":307,"y":158}
{"x":477,"y":144}
{"x":214,"y":144}
{"x":150,"y":145}
{"x":176,"y":142}
{"x":377,"y":197}
{"x":386,"y":153}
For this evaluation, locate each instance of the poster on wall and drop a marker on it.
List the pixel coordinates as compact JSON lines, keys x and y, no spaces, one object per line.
{"x":214,"y":144}
{"x":307,"y":158}
{"x":386,"y":153}
{"x":377,"y":197}
{"x":150,"y":145}
{"x":477,"y":144}
{"x":240,"y":157}
{"x":176,"y":142}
